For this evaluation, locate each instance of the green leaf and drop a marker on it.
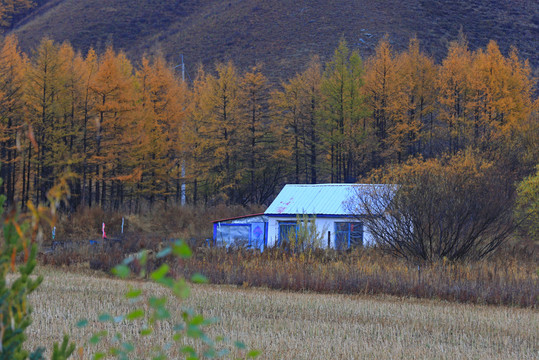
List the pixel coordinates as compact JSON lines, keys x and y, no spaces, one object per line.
{"x":128,"y":347}
{"x":82,"y":323}
{"x":160,"y":273}
{"x":179,"y":248}
{"x":166,"y":251}
{"x":197,"y":320}
{"x":156,"y":302}
{"x":135,"y":314}
{"x":194,"y":331}
{"x":181,"y":289}
{"x":253,"y":353}
{"x":188,"y":350}
{"x":199,"y":279}
{"x":178,"y":327}
{"x":239,"y":345}
{"x":146,"y":331}
{"x":104,"y":317}
{"x":162,"y":313}
{"x":99,"y":356}
{"x":97,"y":337}
{"x":143,"y":258}
{"x":133,"y":293}
{"x":121,"y":271}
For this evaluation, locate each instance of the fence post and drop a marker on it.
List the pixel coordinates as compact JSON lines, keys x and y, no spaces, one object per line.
{"x":329,"y":239}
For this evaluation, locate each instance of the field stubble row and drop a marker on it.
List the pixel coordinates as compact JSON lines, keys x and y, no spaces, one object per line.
{"x":298,"y":325}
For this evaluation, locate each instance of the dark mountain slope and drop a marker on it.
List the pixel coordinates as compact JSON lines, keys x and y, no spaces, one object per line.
{"x":282,"y":34}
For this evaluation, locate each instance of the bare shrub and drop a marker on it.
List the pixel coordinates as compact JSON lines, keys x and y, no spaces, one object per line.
{"x":455,"y":208}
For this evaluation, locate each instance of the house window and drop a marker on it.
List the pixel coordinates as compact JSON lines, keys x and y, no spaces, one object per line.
{"x":286,"y":229}
{"x":348,"y":235}
{"x":245,"y":235}
{"x":233,"y":235}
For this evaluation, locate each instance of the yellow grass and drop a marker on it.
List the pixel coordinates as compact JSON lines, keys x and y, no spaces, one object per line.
{"x":300,"y":326}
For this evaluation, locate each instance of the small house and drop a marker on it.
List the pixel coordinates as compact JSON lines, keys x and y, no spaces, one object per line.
{"x":332,"y":207}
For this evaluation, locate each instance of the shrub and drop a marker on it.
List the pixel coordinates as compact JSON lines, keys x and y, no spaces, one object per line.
{"x":527,"y":209}
{"x":306,"y":237}
{"x":455,"y":208}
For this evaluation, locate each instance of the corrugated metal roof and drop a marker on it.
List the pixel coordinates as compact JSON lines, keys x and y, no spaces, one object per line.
{"x":239,"y":217}
{"x":319,"y":199}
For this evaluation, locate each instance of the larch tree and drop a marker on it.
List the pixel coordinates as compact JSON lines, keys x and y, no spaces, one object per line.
{"x":381,"y":87}
{"x":12,"y":75}
{"x":88,"y":70}
{"x":413,"y":105}
{"x":44,"y":86}
{"x":113,"y":88}
{"x":218,"y":130}
{"x":288,"y":111}
{"x":68,"y":154}
{"x":254,"y":138}
{"x":454,"y":94}
{"x":161,"y":121}
{"x":196,"y":166}
{"x":501,"y":96}
{"x":297,"y":120}
{"x":344,"y":111}
{"x":312,"y":105}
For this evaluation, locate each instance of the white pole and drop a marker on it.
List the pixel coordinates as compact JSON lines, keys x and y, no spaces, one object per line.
{"x":183,"y":161}
{"x":183,"y":69}
{"x":122,"y":225}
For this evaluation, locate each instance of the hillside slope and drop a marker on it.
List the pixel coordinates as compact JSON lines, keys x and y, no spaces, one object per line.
{"x":282,"y":34}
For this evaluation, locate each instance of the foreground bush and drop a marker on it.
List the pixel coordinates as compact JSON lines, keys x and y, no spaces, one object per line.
{"x":18,"y":251}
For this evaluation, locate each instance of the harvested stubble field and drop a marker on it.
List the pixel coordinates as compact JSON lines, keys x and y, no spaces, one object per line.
{"x":299,"y":325}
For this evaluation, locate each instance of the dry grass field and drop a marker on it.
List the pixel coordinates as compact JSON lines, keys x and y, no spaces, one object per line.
{"x":298,"y":325}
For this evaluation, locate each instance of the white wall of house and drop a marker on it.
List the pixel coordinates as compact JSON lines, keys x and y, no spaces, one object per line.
{"x":324,"y":226}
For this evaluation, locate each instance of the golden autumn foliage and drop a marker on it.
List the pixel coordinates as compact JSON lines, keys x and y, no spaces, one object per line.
{"x":136,"y":135}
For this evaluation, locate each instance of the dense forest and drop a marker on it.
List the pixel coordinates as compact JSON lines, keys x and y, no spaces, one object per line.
{"x":127,"y":136}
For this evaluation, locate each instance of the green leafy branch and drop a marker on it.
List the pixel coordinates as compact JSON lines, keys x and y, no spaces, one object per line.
{"x":151,"y":310}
